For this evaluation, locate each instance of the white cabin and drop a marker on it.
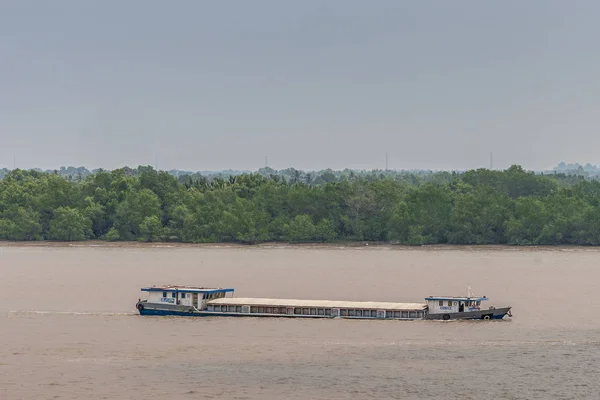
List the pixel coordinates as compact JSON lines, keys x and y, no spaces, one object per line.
{"x":448,"y":305}
{"x":184,"y":295}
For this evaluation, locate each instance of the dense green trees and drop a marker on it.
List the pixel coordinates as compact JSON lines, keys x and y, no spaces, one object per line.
{"x":476,"y":207}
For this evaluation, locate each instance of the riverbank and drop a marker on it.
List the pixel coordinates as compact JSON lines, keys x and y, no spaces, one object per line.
{"x":286,"y":245}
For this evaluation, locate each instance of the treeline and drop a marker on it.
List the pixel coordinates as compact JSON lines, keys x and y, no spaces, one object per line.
{"x":513,"y":206}
{"x":292,"y":175}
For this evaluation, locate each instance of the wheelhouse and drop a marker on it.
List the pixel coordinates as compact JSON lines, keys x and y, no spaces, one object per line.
{"x":446,"y":305}
{"x":196,"y":297}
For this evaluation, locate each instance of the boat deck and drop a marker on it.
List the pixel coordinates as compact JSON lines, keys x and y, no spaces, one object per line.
{"x":265,"y":302}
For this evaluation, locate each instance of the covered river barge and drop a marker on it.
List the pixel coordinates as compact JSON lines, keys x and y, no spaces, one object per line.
{"x":207,"y":302}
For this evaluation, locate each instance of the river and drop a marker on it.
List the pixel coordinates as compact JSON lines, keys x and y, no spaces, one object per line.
{"x":69,"y":328}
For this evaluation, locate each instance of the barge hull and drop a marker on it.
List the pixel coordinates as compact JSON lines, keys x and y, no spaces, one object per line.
{"x":150,"y":309}
{"x":154,"y":312}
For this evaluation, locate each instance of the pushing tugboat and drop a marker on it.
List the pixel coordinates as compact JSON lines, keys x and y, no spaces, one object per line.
{"x":213,"y":302}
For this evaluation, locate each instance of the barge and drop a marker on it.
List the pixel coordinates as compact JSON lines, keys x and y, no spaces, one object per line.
{"x":219,"y":302}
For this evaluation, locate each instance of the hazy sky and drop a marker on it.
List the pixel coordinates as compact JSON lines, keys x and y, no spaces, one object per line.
{"x":312,"y":84}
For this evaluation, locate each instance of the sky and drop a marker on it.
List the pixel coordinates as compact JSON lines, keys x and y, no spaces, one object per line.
{"x":207,"y":85}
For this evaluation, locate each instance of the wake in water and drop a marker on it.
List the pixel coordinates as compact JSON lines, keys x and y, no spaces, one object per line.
{"x":69,"y":313}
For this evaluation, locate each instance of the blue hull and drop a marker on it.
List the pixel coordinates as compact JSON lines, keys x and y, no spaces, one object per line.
{"x":146,"y":311}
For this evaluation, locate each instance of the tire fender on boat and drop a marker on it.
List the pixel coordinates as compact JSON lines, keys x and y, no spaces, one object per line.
{"x":139,"y":306}
{"x":486,"y":317}
{"x":446,"y":317}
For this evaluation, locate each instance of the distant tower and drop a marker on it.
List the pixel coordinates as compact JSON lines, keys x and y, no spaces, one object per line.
{"x":491,"y":161}
{"x":386,"y":161}
{"x":266,"y":162}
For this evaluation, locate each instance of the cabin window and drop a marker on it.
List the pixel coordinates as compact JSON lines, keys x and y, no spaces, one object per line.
{"x":441,"y":303}
{"x":183,"y":295}
{"x":164,"y":294}
{"x":173,"y":294}
{"x":450,"y":303}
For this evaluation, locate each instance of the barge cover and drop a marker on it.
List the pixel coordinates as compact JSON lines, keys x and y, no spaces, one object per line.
{"x":251,"y":301}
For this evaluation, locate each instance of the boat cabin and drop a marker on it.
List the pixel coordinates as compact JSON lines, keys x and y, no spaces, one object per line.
{"x":196,"y":297}
{"x":447,"y":305}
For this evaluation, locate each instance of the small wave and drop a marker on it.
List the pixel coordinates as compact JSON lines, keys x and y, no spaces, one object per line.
{"x":70,"y":313}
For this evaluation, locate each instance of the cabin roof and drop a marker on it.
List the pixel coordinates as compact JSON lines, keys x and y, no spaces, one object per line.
{"x":456,"y":298}
{"x":187,"y":289}
{"x":317,"y":303}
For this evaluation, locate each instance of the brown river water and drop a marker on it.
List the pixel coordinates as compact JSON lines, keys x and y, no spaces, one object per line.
{"x":69,"y":328}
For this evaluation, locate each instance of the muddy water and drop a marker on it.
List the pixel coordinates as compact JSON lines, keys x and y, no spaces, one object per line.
{"x":68,"y":328}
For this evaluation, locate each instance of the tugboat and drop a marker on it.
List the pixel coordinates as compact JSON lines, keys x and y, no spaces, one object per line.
{"x":205,"y":302}
{"x":469,"y":307}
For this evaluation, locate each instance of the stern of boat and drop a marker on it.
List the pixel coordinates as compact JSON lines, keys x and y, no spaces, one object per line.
{"x":140,"y":305}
